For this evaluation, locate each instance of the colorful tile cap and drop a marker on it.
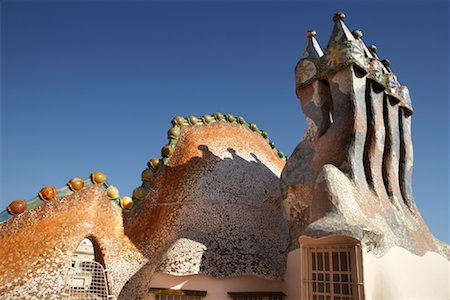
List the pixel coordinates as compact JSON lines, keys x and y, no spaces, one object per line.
{"x":346,"y":49}
{"x":312,"y":47}
{"x":306,"y":70}
{"x":340,"y":31}
{"x":358,"y":34}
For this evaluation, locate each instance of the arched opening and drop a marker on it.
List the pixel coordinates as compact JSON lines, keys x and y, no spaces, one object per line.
{"x":86,"y":275}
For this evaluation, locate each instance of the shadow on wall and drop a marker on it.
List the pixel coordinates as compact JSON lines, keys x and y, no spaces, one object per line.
{"x":228,"y":209}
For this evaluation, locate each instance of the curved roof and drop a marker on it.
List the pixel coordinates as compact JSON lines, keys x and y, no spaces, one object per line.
{"x":217,"y":200}
{"x":211,"y":205}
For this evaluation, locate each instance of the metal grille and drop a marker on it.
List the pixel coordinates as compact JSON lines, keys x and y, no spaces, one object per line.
{"x":176,"y":297}
{"x":259,"y":298}
{"x":86,"y":282}
{"x":333,"y":273}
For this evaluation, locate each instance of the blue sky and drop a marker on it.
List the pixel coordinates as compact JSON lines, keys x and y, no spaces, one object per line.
{"x":91,"y":86}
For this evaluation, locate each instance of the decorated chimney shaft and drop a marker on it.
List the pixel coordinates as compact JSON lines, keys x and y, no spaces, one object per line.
{"x":358,"y":120}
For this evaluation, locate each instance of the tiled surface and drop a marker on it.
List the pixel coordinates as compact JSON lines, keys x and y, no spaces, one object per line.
{"x":352,"y":172}
{"x":214,"y":205}
{"x":218,"y":174}
{"x":36,"y":247}
{"x":214,"y":209}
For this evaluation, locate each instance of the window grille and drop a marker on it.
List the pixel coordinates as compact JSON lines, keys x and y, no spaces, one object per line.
{"x":257,"y":295}
{"x":172,"y":294}
{"x":332,"y":272}
{"x":260,"y":298}
{"x":86,"y":282}
{"x":176,"y":297}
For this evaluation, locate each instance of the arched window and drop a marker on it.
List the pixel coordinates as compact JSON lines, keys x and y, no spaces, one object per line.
{"x":86,"y":276}
{"x":332,"y":268}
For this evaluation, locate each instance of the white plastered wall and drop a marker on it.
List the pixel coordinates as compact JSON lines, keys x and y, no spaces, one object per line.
{"x":397,"y":275}
{"x":217,"y":289}
{"x":402,"y":275}
{"x":292,"y":280}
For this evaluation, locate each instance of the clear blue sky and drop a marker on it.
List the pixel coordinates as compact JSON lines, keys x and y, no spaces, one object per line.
{"x":91,"y":86}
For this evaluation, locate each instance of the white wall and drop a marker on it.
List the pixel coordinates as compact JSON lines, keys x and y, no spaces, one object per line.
{"x":292,"y":282}
{"x":402,"y":275}
{"x":397,"y":275}
{"x":217,"y":288}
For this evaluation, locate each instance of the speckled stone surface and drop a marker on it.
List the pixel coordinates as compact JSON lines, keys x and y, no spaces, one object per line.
{"x":351,"y":173}
{"x":195,"y":220}
{"x":214,"y":209}
{"x":234,"y":176}
{"x":37,"y":247}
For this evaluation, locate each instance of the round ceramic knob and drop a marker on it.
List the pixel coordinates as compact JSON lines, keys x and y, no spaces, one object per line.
{"x":241,"y":120}
{"x":153,"y":163}
{"x":253,"y":127}
{"x":219,"y":117}
{"x":167,"y":150}
{"x":192,"y":120}
{"x":207,"y":119}
{"x":338,"y":16}
{"x":47,"y":193}
{"x":264,"y":134}
{"x":357,"y":33}
{"x":230,"y":118}
{"x":178,"y":121}
{"x":147,"y":175}
{"x":139,"y":193}
{"x":76,"y":184}
{"x":17,"y":207}
{"x":173,"y":132}
{"x":112,"y":192}
{"x":373,"y":49}
{"x":98,"y":177}
{"x":311,"y":33}
{"x":126,"y":202}
{"x":280,"y":154}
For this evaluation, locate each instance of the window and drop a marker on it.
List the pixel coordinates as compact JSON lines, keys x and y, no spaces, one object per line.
{"x":257,"y":295}
{"x":86,"y":277}
{"x":169,"y":294}
{"x":332,"y":272}
{"x":175,"y":297}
